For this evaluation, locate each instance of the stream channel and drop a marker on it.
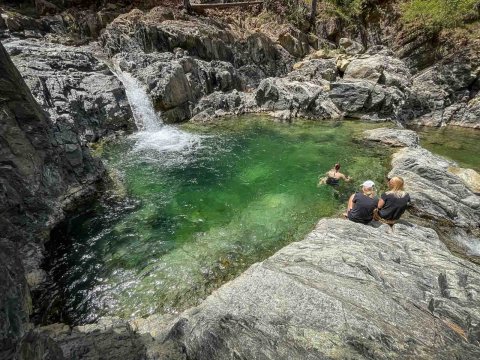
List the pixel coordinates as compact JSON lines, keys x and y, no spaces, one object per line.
{"x":194,"y":206}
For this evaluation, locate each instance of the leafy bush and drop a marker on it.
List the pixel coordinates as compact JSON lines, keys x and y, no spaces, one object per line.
{"x":438,"y":14}
{"x":345,"y":9}
{"x":295,"y":11}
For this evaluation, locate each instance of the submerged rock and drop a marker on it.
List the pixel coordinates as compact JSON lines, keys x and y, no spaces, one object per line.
{"x":346,"y":291}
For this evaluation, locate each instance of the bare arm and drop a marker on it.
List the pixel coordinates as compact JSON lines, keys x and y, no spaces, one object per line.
{"x":381,"y":202}
{"x":350,"y":203}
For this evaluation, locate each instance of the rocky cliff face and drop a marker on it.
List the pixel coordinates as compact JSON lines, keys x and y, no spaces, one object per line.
{"x":81,"y":95}
{"x":46,"y":166}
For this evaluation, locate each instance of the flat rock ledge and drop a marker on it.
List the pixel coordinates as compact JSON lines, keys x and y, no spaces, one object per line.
{"x":347,"y":291}
{"x":393,"y":137}
{"x":438,"y":192}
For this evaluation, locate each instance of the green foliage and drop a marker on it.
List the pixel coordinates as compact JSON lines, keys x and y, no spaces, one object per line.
{"x":345,"y":9}
{"x":438,"y":14}
{"x":295,"y":11}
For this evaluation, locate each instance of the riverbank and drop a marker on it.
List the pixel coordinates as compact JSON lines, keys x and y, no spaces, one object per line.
{"x":199,"y":68}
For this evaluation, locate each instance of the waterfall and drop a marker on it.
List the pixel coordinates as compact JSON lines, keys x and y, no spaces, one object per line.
{"x":145,"y":116}
{"x":154,"y":138}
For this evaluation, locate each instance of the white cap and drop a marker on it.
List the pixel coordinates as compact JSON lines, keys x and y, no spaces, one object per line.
{"x":368,"y":184}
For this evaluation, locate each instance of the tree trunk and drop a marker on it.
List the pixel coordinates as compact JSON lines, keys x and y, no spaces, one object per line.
{"x":313,"y":14}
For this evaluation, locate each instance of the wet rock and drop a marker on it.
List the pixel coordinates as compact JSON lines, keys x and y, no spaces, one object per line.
{"x":38,"y":346}
{"x":393,"y":137}
{"x":81,"y":95}
{"x":345,"y":291}
{"x":177,"y":82}
{"x":110,"y":338}
{"x":38,"y":180}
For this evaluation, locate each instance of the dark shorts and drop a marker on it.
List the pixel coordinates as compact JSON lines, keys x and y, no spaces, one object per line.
{"x":332,"y":181}
{"x":377,"y":217}
{"x":359,"y":221}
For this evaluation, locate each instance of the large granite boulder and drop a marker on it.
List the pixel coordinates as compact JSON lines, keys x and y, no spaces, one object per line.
{"x":436,"y":192}
{"x":382,"y":68}
{"x":393,"y":137}
{"x":439,"y":192}
{"x":319,"y":71}
{"x":347,"y":291}
{"x":364,"y":99}
{"x":82,"y":96}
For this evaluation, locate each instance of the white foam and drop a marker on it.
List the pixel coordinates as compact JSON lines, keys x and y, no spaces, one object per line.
{"x":154,"y":138}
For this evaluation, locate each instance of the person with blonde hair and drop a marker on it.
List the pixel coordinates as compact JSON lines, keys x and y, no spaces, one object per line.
{"x":361,"y":204}
{"x":393,"y":203}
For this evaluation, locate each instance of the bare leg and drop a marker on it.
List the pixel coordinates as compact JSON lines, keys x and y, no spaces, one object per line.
{"x":349,"y":205}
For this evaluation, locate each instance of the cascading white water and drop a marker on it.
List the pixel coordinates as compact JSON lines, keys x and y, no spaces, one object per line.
{"x":142,"y":107}
{"x":154,"y":138}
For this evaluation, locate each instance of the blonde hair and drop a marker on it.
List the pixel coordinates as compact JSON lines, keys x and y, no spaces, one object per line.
{"x":396,"y":187}
{"x":370,"y":192}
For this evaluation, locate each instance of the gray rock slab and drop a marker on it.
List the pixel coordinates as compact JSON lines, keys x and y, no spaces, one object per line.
{"x":393,"y":137}
{"x":436,"y":192}
{"x":346,"y":291}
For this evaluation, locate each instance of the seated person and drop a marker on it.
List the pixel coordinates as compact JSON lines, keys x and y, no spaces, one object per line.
{"x":361,"y":204}
{"x":333,"y":176}
{"x":392,"y":204}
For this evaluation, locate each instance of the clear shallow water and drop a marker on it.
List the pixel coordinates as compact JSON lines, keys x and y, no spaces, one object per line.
{"x":198,"y":211}
{"x":455,"y":143}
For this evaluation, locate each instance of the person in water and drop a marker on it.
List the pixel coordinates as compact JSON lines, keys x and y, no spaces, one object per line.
{"x":361,"y":204}
{"x":393,"y":203}
{"x":333,"y":176}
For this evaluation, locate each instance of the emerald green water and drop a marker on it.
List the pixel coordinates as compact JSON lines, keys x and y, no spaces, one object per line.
{"x":195,"y":217}
{"x":459,"y":144}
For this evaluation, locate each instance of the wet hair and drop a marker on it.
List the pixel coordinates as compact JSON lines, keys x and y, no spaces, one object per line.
{"x":396,"y":186}
{"x":337,"y":166}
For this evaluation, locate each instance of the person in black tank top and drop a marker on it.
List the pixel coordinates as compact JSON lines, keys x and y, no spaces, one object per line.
{"x":392,"y":203}
{"x":361,"y":204}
